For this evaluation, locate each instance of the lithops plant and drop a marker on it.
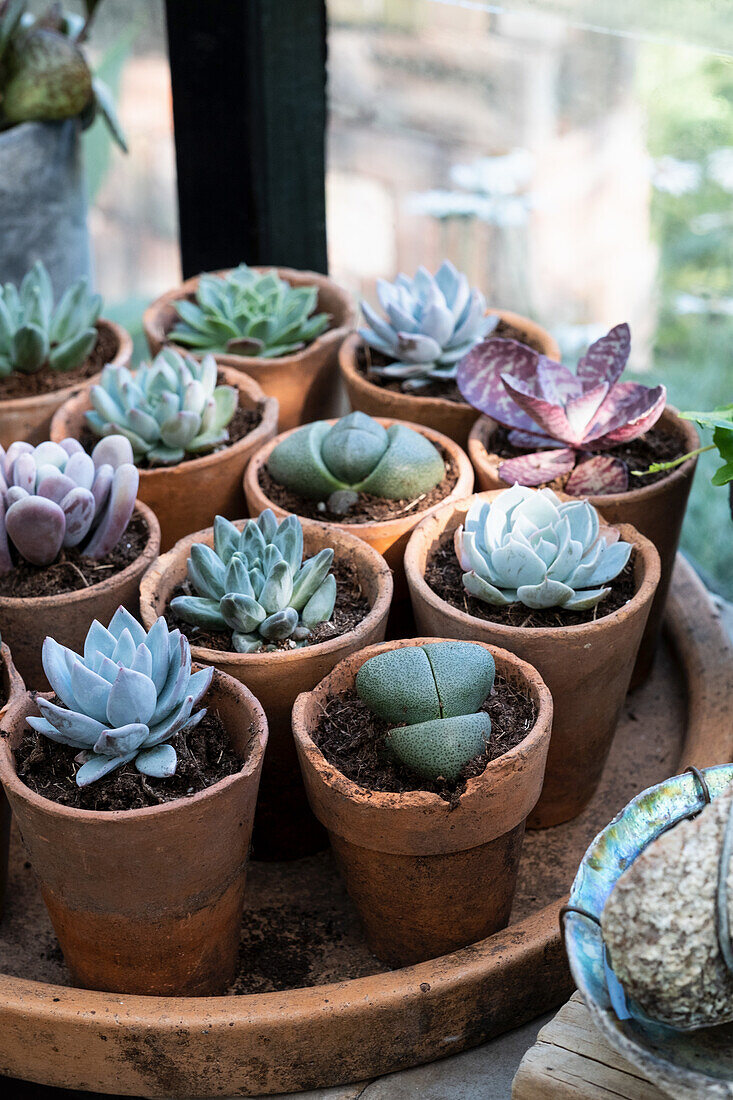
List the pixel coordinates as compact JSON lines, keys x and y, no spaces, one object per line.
{"x":36,"y":333}
{"x":55,"y":495}
{"x":256,"y":584}
{"x":358,"y":455}
{"x":167,"y":409}
{"x":431,"y":322}
{"x":667,"y":924}
{"x":530,"y":547}
{"x":431,"y":696}
{"x":248,"y":312}
{"x":127,"y":695}
{"x":563,"y":418}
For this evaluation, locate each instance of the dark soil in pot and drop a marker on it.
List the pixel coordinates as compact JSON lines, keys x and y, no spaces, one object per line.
{"x":18,"y":384}
{"x":74,"y":571}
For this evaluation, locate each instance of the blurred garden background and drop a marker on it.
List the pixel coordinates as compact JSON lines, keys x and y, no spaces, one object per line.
{"x":574,"y":157}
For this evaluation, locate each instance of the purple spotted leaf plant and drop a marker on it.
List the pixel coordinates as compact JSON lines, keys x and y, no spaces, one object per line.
{"x":562,"y":418}
{"x":55,"y":495}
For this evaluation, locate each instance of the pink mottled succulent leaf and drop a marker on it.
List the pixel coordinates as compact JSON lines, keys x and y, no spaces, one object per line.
{"x":629,"y":410}
{"x":583,"y":409}
{"x":538,"y":468}
{"x":605,"y":360}
{"x":36,"y":526}
{"x":550,"y":418}
{"x":479,"y":379}
{"x":556,"y":382}
{"x":597,"y":476}
{"x":529,"y":441}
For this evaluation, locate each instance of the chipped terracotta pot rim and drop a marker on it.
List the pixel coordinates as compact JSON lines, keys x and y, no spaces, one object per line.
{"x":78,"y":403}
{"x":395,"y":523}
{"x":330,"y":775}
{"x":383,"y":574}
{"x":691,"y":441}
{"x":645,"y":549}
{"x":115,"y":818}
{"x":157,"y":334}
{"x":82,"y":595}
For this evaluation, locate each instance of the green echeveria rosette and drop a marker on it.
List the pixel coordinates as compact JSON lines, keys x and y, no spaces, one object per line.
{"x":431,"y":696}
{"x":356,"y":454}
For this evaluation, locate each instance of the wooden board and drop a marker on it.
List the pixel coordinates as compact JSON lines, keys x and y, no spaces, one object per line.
{"x":312,"y":1007}
{"x":571,"y":1060}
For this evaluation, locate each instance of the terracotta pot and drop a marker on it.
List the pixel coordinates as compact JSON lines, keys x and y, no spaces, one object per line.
{"x":389,"y":537}
{"x":147,"y":901}
{"x":284,"y":825}
{"x":586,"y":667}
{"x":305,"y":383}
{"x":656,"y":511}
{"x":427,"y":879}
{"x":12,"y":689}
{"x":25,"y":621}
{"x":454,"y":418}
{"x":188,"y":496}
{"x":29,"y":418}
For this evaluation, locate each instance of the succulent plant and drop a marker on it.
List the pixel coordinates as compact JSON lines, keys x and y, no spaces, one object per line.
{"x":431,"y":695}
{"x":358,"y":454}
{"x":545,"y":404}
{"x":248,"y":313}
{"x":527,"y":546}
{"x":128,"y":694}
{"x":431,"y":322}
{"x":257,"y":584}
{"x":166,"y":409}
{"x":35,"y":334}
{"x":56,"y":495}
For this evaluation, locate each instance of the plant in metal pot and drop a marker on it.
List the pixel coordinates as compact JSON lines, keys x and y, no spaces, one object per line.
{"x":566,"y":421}
{"x":256,"y":584}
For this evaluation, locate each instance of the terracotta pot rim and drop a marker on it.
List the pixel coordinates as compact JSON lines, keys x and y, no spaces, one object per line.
{"x":396,"y":523}
{"x":257,"y":745}
{"x":477,"y":450}
{"x":246,"y":385}
{"x":158,"y":569}
{"x":123,"y":354}
{"x":330,"y":775}
{"x":643,"y":594}
{"x":92,"y":591}
{"x":154,"y":328}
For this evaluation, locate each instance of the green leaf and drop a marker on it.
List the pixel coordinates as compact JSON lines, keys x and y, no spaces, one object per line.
{"x":30,"y":349}
{"x":72,"y":353}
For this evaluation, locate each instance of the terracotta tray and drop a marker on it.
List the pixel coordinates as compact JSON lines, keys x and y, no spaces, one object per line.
{"x":312,"y":1007}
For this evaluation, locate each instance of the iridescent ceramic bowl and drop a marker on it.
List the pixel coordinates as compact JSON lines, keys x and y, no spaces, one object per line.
{"x":689,"y":1065}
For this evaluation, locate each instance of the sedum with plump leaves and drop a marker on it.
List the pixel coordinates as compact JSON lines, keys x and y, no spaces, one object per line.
{"x":167,"y":409}
{"x":55,"y":495}
{"x":528,"y":546}
{"x":36,"y":333}
{"x":257,"y":584}
{"x":247,"y":312}
{"x":431,"y":695}
{"x":430,"y":322}
{"x":124,"y":698}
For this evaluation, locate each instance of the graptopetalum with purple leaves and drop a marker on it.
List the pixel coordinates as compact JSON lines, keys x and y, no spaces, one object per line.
{"x":562,"y":418}
{"x":56,"y":495}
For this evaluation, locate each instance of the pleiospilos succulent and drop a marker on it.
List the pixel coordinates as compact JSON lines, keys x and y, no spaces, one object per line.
{"x":248,"y":313}
{"x":257,"y":584}
{"x":128,"y":694}
{"x":431,"y":695}
{"x":167,"y":409}
{"x":431,"y":322}
{"x":562,"y":417}
{"x":55,"y":495}
{"x":531,"y":547}
{"x":35,"y":334}
{"x":359,"y":455}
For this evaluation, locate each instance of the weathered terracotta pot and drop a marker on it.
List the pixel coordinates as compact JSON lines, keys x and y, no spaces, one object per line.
{"x":305,"y":383}
{"x":12,"y":689}
{"x":147,"y":901}
{"x":284,"y":826}
{"x":25,"y":622}
{"x":427,"y":879}
{"x":454,"y":418}
{"x":389,"y":537}
{"x":29,"y":418}
{"x":586,"y":667}
{"x":188,"y":496}
{"x":656,"y":511}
